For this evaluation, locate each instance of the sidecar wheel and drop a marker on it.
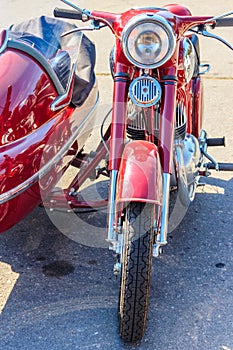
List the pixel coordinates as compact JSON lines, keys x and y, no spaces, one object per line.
{"x":136,"y":271}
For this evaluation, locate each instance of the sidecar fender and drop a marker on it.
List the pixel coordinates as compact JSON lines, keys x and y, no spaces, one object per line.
{"x":140,"y":174}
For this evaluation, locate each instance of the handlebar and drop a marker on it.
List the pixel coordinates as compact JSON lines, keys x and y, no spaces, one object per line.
{"x":74,"y":14}
{"x":224,"y":22}
{"x":84,"y":15}
{"x":71,"y":14}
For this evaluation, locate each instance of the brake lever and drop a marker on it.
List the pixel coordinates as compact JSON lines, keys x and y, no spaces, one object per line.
{"x":87,"y":15}
{"x":95,"y":25}
{"x":79,"y":9}
{"x":204,"y":32}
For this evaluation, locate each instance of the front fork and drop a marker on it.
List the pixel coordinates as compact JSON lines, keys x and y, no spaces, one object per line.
{"x":120,"y":96}
{"x":113,"y":241}
{"x":162,"y":232}
{"x":166,"y":140}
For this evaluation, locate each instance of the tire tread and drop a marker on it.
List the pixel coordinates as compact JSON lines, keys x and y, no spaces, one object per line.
{"x":136,"y":272}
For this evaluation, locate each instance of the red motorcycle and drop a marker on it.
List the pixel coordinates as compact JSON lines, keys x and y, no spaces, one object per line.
{"x":154,"y":144}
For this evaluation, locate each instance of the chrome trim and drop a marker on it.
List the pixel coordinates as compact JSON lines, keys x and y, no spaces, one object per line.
{"x":162,"y":237}
{"x":111,"y":211}
{"x":157,"y":250}
{"x":4,"y":45}
{"x":145,"y":91}
{"x":46,"y":168}
{"x":189,"y":59}
{"x":203,"y":148}
{"x":206,"y":70}
{"x":112,"y":60}
{"x":55,"y":105}
{"x":148,"y":18}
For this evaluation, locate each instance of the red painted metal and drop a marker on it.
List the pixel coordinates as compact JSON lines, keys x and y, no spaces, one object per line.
{"x":31,"y":134}
{"x":166,"y":135}
{"x":65,"y":200}
{"x":178,"y":16}
{"x":88,"y":168}
{"x":178,"y":9}
{"x":25,"y":103}
{"x":181,"y":19}
{"x":198,"y":106}
{"x":140,"y":174}
{"x":120,"y":95}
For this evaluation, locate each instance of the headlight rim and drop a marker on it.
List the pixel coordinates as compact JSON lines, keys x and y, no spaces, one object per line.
{"x":147,"y":18}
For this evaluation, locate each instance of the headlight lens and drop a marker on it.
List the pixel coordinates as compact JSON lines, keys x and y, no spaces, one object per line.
{"x":148,"y":41}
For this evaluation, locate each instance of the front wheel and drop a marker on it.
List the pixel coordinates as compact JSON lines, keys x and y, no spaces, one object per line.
{"x":136,"y":270}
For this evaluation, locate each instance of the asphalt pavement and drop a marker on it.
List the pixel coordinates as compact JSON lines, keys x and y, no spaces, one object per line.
{"x":57,"y":289}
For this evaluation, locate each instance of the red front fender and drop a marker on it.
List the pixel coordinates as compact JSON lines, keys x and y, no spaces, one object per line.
{"x":140,"y":174}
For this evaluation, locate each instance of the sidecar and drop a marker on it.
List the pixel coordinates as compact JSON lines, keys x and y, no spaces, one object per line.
{"x":48,"y":99}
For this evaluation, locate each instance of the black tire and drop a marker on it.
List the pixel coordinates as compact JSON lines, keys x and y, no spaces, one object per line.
{"x":136,"y":271}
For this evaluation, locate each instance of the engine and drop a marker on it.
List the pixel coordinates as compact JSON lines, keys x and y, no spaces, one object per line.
{"x":186,"y":147}
{"x":137,"y":122}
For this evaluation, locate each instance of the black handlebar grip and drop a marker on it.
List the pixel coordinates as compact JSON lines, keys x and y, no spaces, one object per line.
{"x":219,"y":141}
{"x":224,"y":22}
{"x":71,"y":14}
{"x":222,"y":166}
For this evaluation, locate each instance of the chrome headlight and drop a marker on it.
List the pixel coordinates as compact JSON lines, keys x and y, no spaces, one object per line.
{"x":148,"y":41}
{"x":189,"y":59}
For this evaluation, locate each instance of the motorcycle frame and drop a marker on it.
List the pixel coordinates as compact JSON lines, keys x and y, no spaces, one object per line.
{"x":115,"y":134}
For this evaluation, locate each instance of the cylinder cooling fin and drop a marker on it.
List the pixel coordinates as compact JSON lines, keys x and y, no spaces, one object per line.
{"x":181,"y":121}
{"x":137,"y":122}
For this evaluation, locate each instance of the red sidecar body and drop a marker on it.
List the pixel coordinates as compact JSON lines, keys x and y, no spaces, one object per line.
{"x":48,"y":98}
